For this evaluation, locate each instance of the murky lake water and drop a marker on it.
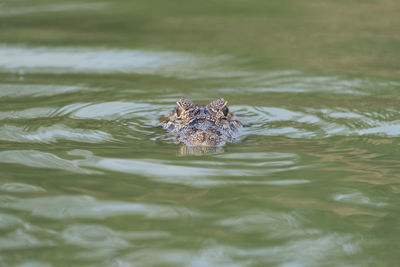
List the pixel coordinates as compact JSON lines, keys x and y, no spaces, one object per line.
{"x":88,"y":179}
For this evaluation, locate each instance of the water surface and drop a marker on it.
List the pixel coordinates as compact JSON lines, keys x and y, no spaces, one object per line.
{"x":87,"y":178}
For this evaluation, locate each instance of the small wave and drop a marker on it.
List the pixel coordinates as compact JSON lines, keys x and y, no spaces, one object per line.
{"x":38,"y":90}
{"x":30,"y":113}
{"x":10,"y":222}
{"x":156,"y":169}
{"x":94,"y":236}
{"x":19,"y":187}
{"x":311,"y":251}
{"x":8,"y":11}
{"x":22,"y":240}
{"x":114,"y":110}
{"x":37,"y":159}
{"x":98,"y":236}
{"x":67,"y":207}
{"x":357,"y":198}
{"x":52,"y":134}
{"x":78,"y":60}
{"x":319,"y":123}
{"x":258,"y":82}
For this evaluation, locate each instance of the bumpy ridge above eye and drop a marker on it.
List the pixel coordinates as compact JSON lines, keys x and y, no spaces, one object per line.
{"x":185,"y":104}
{"x":218,"y":104}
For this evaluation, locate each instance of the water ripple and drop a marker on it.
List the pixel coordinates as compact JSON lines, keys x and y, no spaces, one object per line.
{"x":357,"y":198}
{"x":296,"y":82}
{"x":52,"y":134}
{"x":327,"y":248}
{"x":320,"y":123}
{"x":77,"y":60}
{"x":94,"y":236}
{"x":66,"y":207}
{"x":18,"y":187}
{"x":20,"y":239}
{"x":154,"y":168}
{"x":159,"y":170}
{"x":259,"y":156}
{"x":37,"y":159}
{"x":10,"y":222}
{"x":113,"y":110}
{"x":27,"y":113}
{"x":38,"y":90}
{"x":8,"y":11}
{"x":167,"y":172}
{"x":98,"y":236}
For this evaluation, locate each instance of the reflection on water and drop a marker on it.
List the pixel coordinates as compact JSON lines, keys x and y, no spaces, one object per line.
{"x":115,"y":111}
{"x":197,"y":174}
{"x":34,"y":90}
{"x":10,"y":10}
{"x":357,"y":198}
{"x":328,"y":248}
{"x":92,"y":236}
{"x":17,"y":187}
{"x":52,"y":134}
{"x":295,"y":82}
{"x":77,"y":60}
{"x":39,"y":159}
{"x":64,"y":207}
{"x":22,"y":240}
{"x":183,"y":150}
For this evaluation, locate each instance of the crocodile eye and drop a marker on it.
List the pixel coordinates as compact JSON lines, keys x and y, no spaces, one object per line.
{"x":225,"y":110}
{"x":178,"y":111}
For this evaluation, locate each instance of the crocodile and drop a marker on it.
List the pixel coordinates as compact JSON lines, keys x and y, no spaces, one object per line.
{"x":212,"y":125}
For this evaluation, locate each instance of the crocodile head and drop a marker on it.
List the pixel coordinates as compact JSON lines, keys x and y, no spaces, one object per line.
{"x":210,"y":125}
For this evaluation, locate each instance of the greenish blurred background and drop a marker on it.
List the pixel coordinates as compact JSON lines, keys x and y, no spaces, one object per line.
{"x":350,"y":37}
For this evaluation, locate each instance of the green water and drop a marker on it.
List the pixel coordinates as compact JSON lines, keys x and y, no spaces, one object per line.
{"x":87,"y":178}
